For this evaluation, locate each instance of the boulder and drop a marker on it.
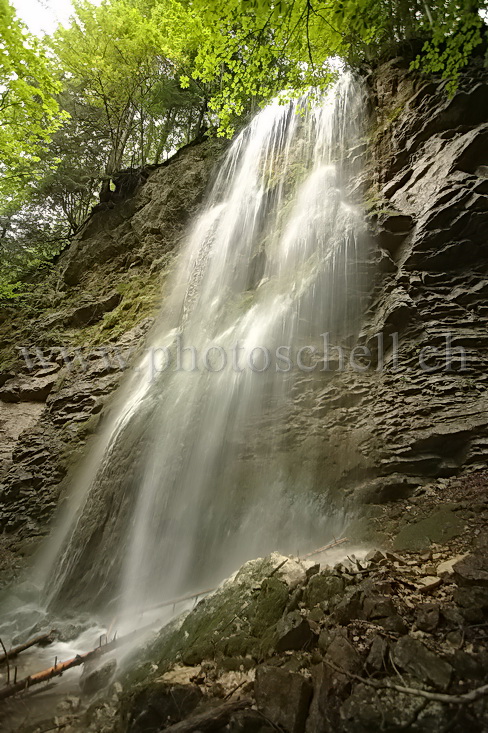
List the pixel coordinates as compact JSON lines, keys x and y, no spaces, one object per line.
{"x":283,"y":697}
{"x":472,"y":602}
{"x":472,"y":569}
{"x":342,"y":654}
{"x":348,"y":608}
{"x":413,"y":657}
{"x":161,"y":704}
{"x":240,"y":617}
{"x":295,"y":632}
{"x":377,"y":653}
{"x":249,"y":721}
{"x":427,"y":617}
{"x":368,"y":711}
{"x":468,"y":666}
{"x":377,"y":606}
{"x":330,"y":685}
{"x":446,"y":568}
{"x":440,"y":526}
{"x":428,"y":583}
{"x":323,"y":587}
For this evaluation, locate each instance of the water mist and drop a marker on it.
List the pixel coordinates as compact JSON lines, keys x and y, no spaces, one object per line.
{"x":191,"y":476}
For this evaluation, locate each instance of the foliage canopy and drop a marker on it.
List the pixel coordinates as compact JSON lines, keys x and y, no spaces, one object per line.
{"x":29,"y":112}
{"x":128,"y":81}
{"x":257,"y":47}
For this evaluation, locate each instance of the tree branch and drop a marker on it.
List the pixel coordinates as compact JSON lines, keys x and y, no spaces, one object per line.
{"x":445,"y":698}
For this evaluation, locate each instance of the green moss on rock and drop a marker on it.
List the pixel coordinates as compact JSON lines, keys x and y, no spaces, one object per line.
{"x":440,"y":526}
{"x":323,"y":587}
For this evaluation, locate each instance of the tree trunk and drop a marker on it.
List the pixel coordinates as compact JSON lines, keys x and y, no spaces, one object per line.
{"x":201,"y":117}
{"x":165,"y":133}
{"x":120,"y":141}
{"x":210,"y":720}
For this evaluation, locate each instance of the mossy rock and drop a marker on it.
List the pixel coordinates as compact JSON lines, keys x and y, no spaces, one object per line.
{"x":159,"y":704}
{"x":322,"y":587}
{"x":237,"y":620}
{"x":235,"y":664}
{"x":269,"y":605}
{"x":366,"y":529}
{"x":439,"y":527}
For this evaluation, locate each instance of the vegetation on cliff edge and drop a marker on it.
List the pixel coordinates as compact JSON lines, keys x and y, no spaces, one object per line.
{"x":129,"y":81}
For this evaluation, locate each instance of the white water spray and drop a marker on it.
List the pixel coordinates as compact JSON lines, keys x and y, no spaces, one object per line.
{"x":193,"y":474}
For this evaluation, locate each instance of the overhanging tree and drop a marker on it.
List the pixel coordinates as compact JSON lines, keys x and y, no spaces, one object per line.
{"x":120,"y":56}
{"x":255,"y":48}
{"x":29,"y":112}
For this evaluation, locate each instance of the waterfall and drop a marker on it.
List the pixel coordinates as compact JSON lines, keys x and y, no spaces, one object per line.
{"x":192,"y":474}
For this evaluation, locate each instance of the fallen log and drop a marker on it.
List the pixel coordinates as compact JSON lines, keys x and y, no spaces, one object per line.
{"x":464,"y":698}
{"x":324,"y":548}
{"x":44,"y":676}
{"x":181,"y":599}
{"x":200,"y":594}
{"x":16,"y":650}
{"x":47,"y":674}
{"x":206,"y":721}
{"x":57,"y":669}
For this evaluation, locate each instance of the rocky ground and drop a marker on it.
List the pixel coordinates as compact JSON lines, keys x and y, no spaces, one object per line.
{"x":386,"y":640}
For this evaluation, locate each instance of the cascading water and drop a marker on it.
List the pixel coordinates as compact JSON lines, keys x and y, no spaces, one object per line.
{"x":191,"y":476}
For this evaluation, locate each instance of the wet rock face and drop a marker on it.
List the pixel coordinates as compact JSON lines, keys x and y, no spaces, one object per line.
{"x":430,"y":417}
{"x":96,"y":677}
{"x":144,"y":222}
{"x":420,"y":411}
{"x":61,"y":420}
{"x":54,"y":398}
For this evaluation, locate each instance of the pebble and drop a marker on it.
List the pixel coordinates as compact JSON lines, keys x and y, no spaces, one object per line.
{"x":428,"y":583}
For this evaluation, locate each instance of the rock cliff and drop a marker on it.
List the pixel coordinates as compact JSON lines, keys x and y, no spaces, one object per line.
{"x":65,"y":351}
{"x":402,"y":444}
{"x":419,"y":412}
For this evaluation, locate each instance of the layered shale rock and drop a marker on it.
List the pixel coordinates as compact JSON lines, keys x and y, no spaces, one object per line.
{"x":432,"y":411}
{"x":61,"y":359}
{"x":418,"y":411}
